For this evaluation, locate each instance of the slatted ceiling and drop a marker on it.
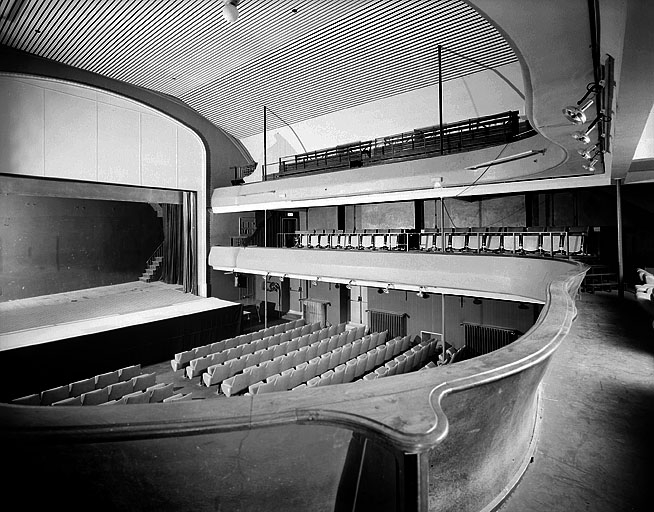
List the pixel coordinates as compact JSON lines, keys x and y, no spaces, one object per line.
{"x":329,"y":56}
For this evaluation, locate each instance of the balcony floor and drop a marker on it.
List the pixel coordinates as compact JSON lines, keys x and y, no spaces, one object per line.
{"x":596,"y":443}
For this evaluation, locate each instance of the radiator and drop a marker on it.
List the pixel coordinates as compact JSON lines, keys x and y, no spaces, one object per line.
{"x":482,"y":339}
{"x":314,"y":310}
{"x":394,"y":323}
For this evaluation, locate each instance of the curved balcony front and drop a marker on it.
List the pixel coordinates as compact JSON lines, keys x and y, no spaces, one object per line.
{"x":451,"y":438}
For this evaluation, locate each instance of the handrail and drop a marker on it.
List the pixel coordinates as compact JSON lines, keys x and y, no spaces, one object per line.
{"x":460,"y":136}
{"x":158,"y":253}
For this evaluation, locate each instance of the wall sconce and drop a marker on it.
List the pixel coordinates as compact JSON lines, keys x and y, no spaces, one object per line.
{"x":388,"y":288}
{"x":315,"y":281}
{"x":422,"y":293}
{"x":350,"y":284}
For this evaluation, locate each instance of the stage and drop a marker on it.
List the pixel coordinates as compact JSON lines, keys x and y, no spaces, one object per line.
{"x":49,"y":340}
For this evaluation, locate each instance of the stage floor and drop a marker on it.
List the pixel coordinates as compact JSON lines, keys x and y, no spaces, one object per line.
{"x":64,"y":315}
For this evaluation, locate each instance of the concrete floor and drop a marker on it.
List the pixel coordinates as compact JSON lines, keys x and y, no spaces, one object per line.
{"x":596,"y":444}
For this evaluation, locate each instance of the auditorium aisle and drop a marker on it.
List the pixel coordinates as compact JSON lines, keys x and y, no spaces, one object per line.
{"x":596,"y":444}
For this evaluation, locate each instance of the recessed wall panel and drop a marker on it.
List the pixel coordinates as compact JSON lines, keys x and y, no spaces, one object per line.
{"x":21,"y":129}
{"x":158,"y":152}
{"x":190,"y":160}
{"x":118,"y":145}
{"x":71,"y":133}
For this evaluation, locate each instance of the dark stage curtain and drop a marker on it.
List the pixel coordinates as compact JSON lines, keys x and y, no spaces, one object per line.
{"x":179,"y":223}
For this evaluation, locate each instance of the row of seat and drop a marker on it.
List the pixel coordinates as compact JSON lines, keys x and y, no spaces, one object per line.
{"x":279,"y":354}
{"x":405,"y":362}
{"x":309,"y":370}
{"x":89,"y":388}
{"x":158,"y":393}
{"x":388,"y":239}
{"x":534,"y":240}
{"x":182,"y":359}
{"x":199,"y":365}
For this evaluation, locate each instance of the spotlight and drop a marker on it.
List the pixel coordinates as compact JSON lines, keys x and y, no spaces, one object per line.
{"x":230,"y":12}
{"x":590,"y":166}
{"x":421,"y":292}
{"x":315,"y":281}
{"x":350,"y":284}
{"x":388,"y":288}
{"x":575,"y":114}
{"x":583,"y":136}
{"x":587,"y":154}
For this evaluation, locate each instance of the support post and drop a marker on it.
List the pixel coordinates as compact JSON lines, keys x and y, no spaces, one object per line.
{"x":265,"y":284}
{"x":265,"y":143}
{"x":440,"y":94}
{"x":618,"y":205}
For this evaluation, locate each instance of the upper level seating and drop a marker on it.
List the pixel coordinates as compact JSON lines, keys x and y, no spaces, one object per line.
{"x":123,"y":386}
{"x":519,"y":240}
{"x":408,"y":357}
{"x":467,"y":135}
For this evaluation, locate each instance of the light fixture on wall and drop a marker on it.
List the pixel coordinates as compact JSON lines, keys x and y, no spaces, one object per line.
{"x":315,"y":281}
{"x":422,"y":293}
{"x":575,"y":114}
{"x":587,"y":154}
{"x":388,"y":288}
{"x":282,"y":277}
{"x":583,"y":136}
{"x":230,"y":11}
{"x":350,"y":284}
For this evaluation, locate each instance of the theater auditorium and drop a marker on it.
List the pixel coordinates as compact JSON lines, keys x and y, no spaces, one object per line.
{"x":332,"y":256}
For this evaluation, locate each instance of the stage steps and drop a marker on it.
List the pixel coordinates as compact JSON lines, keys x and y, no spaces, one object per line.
{"x":153,"y":267}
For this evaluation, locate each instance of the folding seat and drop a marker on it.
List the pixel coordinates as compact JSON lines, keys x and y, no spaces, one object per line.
{"x":226,"y":385}
{"x":324,"y":333}
{"x":300,"y":355}
{"x":531,"y":240}
{"x":297,"y":375}
{"x":439,"y":241}
{"x":362,"y":361}
{"x":350,"y":370}
{"x":371,"y":359}
{"x":410,"y":361}
{"x":232,"y":353}
{"x":231,"y":343}
{"x":311,"y":369}
{"x":144,"y":381}
{"x":306,"y":329}
{"x":269,"y":331}
{"x":340,"y":328}
{"x":159,"y":392}
{"x":120,"y":389}
{"x":257,"y":335}
{"x":266,"y":387}
{"x":426,"y":240}
{"x":202,"y":351}
{"x":331,"y":330}
{"x":341,"y":340}
{"x":287,"y":361}
{"x":217,"y":358}
{"x":351,"y":241}
{"x":286,"y":336}
{"x":128,"y":372}
{"x":253,"y":389}
{"x":315,"y":336}
{"x":252,"y":359}
{"x":247,"y":338}
{"x":33,"y":399}
{"x":298,"y":323}
{"x":219,"y":346}
{"x":197,"y":366}
{"x":458,"y":239}
{"x":339,"y":373}
{"x":283,"y":381}
{"x":274,"y":365}
{"x":179,"y":397}
{"x":312,"y":383}
{"x":379,"y":240}
{"x":137,"y":397}
{"x":259,"y":344}
{"x":324,"y":238}
{"x":380,"y":355}
{"x":335,"y":239}
{"x":365,"y":343}
{"x":394,"y":237}
{"x":314,"y":239}
{"x":392,"y":367}
{"x":96,"y":397}
{"x":374,"y":340}
{"x":246,"y":349}
{"x":493,"y":239}
{"x":323,"y":365}
{"x":54,"y":394}
{"x":356,"y":348}
{"x":73,"y":400}
{"x":360,"y":332}
{"x":335,"y":357}
{"x":370,"y":376}
{"x":405,"y":343}
{"x":219,"y":373}
{"x":293,"y":344}
{"x":181,"y":359}
{"x":326,"y":378}
{"x":512,"y":239}
{"x":104,"y":379}
{"x":312,"y":351}
{"x":323,"y":347}
{"x":382,"y":371}
{"x":429,"y":365}
{"x":279,"y":350}
{"x":401,"y":363}
{"x":347,"y":353}
{"x":476,"y":239}
{"x":316,"y":326}
{"x":81,"y":386}
{"x":351,"y":335}
{"x":382,"y":337}
{"x":365,"y":241}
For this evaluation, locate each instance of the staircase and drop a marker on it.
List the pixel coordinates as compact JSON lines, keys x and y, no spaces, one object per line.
{"x":153,"y":266}
{"x":599,"y":278}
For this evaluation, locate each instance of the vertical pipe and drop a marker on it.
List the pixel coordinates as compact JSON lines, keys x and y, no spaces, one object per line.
{"x":263,"y":169}
{"x":440,"y":95}
{"x":442,"y":227}
{"x":618,"y":205}
{"x":265,"y":301}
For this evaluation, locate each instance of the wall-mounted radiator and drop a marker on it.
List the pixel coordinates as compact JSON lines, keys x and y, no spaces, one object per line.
{"x":482,"y":339}
{"x":315,"y":310}
{"x":394,"y":323}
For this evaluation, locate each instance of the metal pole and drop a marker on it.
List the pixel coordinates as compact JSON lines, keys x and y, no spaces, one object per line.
{"x":440,"y":95}
{"x":265,"y":161}
{"x":265,"y":287}
{"x":618,"y":204}
{"x":442,"y":226}
{"x":265,"y":301}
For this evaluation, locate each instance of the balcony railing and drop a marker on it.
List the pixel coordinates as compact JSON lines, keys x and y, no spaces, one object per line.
{"x":457,"y":137}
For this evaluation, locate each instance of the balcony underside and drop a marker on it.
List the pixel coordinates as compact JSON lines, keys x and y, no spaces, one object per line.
{"x":512,"y":278}
{"x":415,"y":179}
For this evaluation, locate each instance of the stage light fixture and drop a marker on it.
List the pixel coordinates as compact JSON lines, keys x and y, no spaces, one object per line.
{"x":587,"y":154}
{"x":350,"y":284}
{"x":230,"y":11}
{"x":575,"y":113}
{"x":422,"y":293}
{"x":583,"y":136}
